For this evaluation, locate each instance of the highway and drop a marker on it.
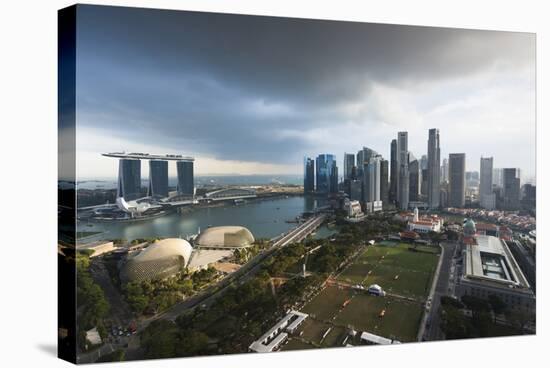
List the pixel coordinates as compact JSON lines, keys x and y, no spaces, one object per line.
{"x":210,"y":294}
{"x":432,"y":331}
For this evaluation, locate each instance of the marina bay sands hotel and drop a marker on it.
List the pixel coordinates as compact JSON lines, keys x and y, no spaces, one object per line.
{"x":129,"y":175}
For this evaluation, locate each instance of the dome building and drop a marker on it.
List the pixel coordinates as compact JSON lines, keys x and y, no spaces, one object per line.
{"x":469,"y":228}
{"x":159,"y":260}
{"x":225,"y":237}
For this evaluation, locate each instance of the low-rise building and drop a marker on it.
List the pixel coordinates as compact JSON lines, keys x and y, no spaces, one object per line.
{"x":424,"y":224}
{"x":278,"y":334}
{"x":368,"y":338}
{"x":98,"y":247}
{"x":489,"y":268}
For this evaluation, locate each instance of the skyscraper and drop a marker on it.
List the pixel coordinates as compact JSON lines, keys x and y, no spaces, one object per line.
{"x":186,"y":179}
{"x":371,"y":184}
{"x":403,"y":167}
{"x":309,"y":175}
{"x":363,"y":157}
{"x":349,"y":163}
{"x":424,"y":183}
{"x":414,"y":179}
{"x":445,"y":171}
{"x":326,"y":174}
{"x":457,"y":179}
{"x":404,"y":187}
{"x":498,"y":177}
{"x":423,"y":162}
{"x":434,"y":153}
{"x":355,"y":191}
{"x":333,"y":178}
{"x":384,"y":189}
{"x":129,"y":179}
{"x":486,"y":195}
{"x":158,"y":178}
{"x":511,"y":189}
{"x":393,"y":171}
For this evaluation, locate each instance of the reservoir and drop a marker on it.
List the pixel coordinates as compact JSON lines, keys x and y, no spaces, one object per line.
{"x":264,"y":218}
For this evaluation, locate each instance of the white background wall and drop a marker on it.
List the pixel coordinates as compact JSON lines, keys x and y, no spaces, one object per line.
{"x":28,"y":133}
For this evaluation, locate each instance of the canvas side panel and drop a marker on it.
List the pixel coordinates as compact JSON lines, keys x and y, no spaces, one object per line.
{"x":66,"y":278}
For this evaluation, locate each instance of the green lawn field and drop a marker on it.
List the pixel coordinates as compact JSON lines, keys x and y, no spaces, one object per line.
{"x":400,"y":320}
{"x":413,"y":269}
{"x":325,"y":305}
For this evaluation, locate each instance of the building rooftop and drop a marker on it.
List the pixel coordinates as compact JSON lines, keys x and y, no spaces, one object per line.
{"x":275,"y":335}
{"x":225,"y":237}
{"x":489,"y":259}
{"x":148,"y":156}
{"x":203,"y":257}
{"x":379,"y":340}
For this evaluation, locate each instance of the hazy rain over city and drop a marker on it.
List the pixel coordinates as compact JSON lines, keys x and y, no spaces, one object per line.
{"x":254,"y":95}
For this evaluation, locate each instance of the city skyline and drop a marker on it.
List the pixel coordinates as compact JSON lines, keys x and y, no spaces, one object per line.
{"x":238,"y":117}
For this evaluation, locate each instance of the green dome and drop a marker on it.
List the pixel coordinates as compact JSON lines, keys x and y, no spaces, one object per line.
{"x":469,"y":227}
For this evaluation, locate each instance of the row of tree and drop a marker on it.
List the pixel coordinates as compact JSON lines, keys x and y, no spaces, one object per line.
{"x":456,"y":322}
{"x":154,"y":296}
{"x":91,"y":303}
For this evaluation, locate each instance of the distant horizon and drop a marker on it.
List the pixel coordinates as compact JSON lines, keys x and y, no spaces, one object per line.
{"x":276,"y":98}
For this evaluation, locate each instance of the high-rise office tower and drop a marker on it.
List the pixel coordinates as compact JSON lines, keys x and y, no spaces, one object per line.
{"x":186,"y":178}
{"x":309,"y":175}
{"x":486,"y":196}
{"x":424,"y":162}
{"x":393,"y":171}
{"x":457,"y":179}
{"x":158,"y":179}
{"x":434,"y":163}
{"x":349,"y":163}
{"x":363,"y":157}
{"x":424,"y":183}
{"x":355,"y":191}
{"x":498,"y":177}
{"x":371,"y":184}
{"x":445,"y":171}
{"x":511,"y":189}
{"x":129,"y":179}
{"x":333,"y":178}
{"x":414,"y":179}
{"x":529,"y":196}
{"x":403,"y":187}
{"x":384,"y":184}
{"x":403,"y":167}
{"x":326,"y":173}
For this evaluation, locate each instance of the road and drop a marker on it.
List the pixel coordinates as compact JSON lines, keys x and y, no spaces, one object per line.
{"x":207,"y":296}
{"x":432,"y":331}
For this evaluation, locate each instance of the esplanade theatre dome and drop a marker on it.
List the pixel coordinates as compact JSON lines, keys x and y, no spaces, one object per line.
{"x":225,"y":237}
{"x":159,"y":260}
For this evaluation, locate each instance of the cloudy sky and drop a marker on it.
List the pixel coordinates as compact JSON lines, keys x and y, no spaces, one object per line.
{"x":246,"y":94}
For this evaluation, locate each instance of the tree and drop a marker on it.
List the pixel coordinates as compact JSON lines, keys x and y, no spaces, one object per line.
{"x":191,"y":343}
{"x":497,"y":305}
{"x":159,"y":339}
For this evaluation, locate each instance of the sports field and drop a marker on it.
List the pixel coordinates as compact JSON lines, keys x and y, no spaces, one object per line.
{"x":327,"y":302}
{"x":403,"y":273}
{"x":400,"y":321}
{"x":395,"y":268}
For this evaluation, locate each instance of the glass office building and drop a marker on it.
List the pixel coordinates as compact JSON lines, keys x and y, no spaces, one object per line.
{"x":326,"y":175}
{"x":309,"y":175}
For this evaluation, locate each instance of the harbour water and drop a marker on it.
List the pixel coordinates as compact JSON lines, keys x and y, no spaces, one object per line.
{"x":264,"y":218}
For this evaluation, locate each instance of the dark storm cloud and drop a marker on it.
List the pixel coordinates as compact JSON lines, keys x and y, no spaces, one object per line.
{"x":228,"y":85}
